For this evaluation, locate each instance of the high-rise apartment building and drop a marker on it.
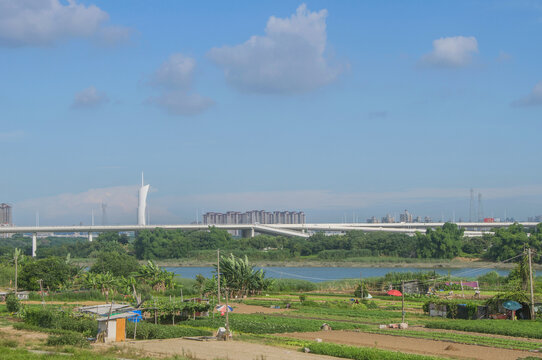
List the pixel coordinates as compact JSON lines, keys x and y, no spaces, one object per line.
{"x":255,"y":217}
{"x":5,"y":215}
{"x":405,"y":217}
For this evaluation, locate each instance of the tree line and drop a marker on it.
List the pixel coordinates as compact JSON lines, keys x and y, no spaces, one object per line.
{"x":445,"y":242}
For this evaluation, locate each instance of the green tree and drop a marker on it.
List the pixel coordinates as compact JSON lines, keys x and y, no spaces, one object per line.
{"x":54,"y":272}
{"x":442,"y":243}
{"x":118,"y":264}
{"x":240,"y":276}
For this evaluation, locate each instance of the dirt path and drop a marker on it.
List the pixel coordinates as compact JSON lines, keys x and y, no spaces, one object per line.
{"x":415,"y":346}
{"x":211,"y":350}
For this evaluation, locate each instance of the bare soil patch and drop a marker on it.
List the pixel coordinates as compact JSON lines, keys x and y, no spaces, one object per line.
{"x":413,"y":345}
{"x":22,"y":337}
{"x":211,"y":350}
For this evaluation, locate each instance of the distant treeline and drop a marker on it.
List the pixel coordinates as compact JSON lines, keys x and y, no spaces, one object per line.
{"x":443,"y":243}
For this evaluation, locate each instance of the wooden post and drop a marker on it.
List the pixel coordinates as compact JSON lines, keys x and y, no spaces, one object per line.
{"x":227,"y":317}
{"x":462,"y":292}
{"x":16,"y":269}
{"x":155,"y":317}
{"x":533,"y":315}
{"x":403,"y":301}
{"x":218,"y":272}
{"x":41,"y":291}
{"x":135,"y":329}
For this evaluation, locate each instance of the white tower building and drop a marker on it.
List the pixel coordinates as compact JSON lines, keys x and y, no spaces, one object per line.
{"x":142,"y":206}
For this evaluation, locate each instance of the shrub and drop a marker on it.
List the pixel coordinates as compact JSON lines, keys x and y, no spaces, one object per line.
{"x":50,"y":319}
{"x":69,"y":338}
{"x":12,"y":303}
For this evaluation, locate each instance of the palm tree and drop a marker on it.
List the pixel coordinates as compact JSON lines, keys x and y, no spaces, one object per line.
{"x":158,"y":279}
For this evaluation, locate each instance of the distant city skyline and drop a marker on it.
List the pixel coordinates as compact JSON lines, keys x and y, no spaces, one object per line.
{"x":339,"y":109}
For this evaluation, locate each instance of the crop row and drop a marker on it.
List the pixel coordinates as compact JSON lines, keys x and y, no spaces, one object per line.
{"x":463,"y":339}
{"x":269,"y":324}
{"x":528,"y":329}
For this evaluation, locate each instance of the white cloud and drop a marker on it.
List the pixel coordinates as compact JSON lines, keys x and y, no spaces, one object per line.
{"x":44,"y":22}
{"x":453,"y":51}
{"x":288,"y":59}
{"x":69,"y":208}
{"x":89,"y":98}
{"x":175,"y":79}
{"x":532,"y":99}
{"x":175,"y":73}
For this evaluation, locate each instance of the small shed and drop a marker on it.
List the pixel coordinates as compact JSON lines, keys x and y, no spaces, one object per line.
{"x":21,"y":295}
{"x":113,"y":328}
{"x":111,"y":320}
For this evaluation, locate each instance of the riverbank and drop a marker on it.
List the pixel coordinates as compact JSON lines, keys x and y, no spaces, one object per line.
{"x":457,"y":263}
{"x":431,"y":264}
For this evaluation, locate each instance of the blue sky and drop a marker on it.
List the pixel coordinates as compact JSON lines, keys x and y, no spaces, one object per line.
{"x":334,"y":108}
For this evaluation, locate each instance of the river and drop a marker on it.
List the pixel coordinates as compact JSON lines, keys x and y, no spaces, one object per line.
{"x":318,"y":274}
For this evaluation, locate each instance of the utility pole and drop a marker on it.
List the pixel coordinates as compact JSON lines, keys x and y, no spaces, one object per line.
{"x":360,"y":286}
{"x":531,"y":280}
{"x":218,"y":272}
{"x":16,"y":270}
{"x":403,"y":301}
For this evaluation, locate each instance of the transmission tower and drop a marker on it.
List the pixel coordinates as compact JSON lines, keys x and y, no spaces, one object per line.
{"x":104,"y":213}
{"x":471,"y":208}
{"x":480,"y":208}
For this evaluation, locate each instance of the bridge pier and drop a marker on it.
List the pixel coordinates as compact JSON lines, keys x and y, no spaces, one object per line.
{"x":34,"y":243}
{"x":90,"y":236}
{"x":247,"y":233}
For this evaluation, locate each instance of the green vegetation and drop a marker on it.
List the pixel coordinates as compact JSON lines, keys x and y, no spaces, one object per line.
{"x":442,"y":243}
{"x":360,"y":353}
{"x":462,"y":338}
{"x":55,"y":273}
{"x":61,"y":320}
{"x":528,"y":329}
{"x":151,"y":331}
{"x":12,"y":303}
{"x":269,"y":324}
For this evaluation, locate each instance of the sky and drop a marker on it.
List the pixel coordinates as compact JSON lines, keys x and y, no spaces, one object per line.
{"x":342,"y":109}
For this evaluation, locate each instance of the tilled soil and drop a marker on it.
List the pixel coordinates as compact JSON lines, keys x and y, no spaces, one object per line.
{"x":211,"y":350}
{"x":413,"y":345}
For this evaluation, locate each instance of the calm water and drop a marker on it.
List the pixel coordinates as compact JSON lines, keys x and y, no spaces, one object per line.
{"x":317,"y":274}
